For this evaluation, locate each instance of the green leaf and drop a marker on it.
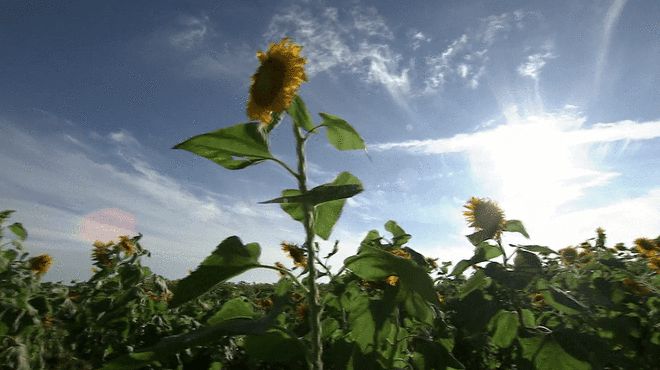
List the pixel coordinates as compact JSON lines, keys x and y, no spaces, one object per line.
{"x":478,"y":280}
{"x":515,"y":226}
{"x":5,"y":215}
{"x":18,"y":230}
{"x":274,"y":346}
{"x":299,"y":114}
{"x":326,"y":214}
{"x":176,"y":343}
{"x":237,"y":308}
{"x":559,"y":300}
{"x":400,"y":237}
{"x":433,"y":356}
{"x":482,"y":253}
{"x":527,"y":262}
{"x":230,"y":258}
{"x":504,"y":326}
{"x":374,"y":264}
{"x":479,"y":237}
{"x":233,"y":147}
{"x":547,"y":354}
{"x":321,"y":194}
{"x":340,"y":134}
{"x":535,"y":248}
{"x":528,"y":319}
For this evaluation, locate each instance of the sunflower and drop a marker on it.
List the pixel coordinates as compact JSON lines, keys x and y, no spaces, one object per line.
{"x":101,"y":253}
{"x":296,"y":253}
{"x":392,"y":280}
{"x":568,"y":255}
{"x":645,"y":247}
{"x":485,"y":214}
{"x":40,"y":264}
{"x":126,"y":245}
{"x":276,"y":81}
{"x":400,"y":253}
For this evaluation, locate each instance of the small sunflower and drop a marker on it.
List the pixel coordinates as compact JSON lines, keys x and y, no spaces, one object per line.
{"x":126,"y":245}
{"x":281,"y":268}
{"x":645,"y":247}
{"x":537,"y":300}
{"x":301,"y":311}
{"x":278,"y":78}
{"x":485,"y":214}
{"x":40,"y":264}
{"x":101,"y":253}
{"x":568,"y":255}
{"x":392,"y":280}
{"x":296,"y":253}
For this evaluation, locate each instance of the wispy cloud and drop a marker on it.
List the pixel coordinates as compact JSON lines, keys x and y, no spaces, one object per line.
{"x":190,"y":32}
{"x":359,"y":46}
{"x":66,"y":197}
{"x":417,"y":38}
{"x":609,"y":23}
{"x":532,"y":66}
{"x":465,"y":58}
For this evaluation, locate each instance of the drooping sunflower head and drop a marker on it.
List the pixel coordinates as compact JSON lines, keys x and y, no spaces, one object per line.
{"x":568,"y":255}
{"x":485,"y":214}
{"x":40,"y":264}
{"x":296,"y":253}
{"x":645,"y":247}
{"x":126,"y":245}
{"x":101,"y":253}
{"x":278,"y":78}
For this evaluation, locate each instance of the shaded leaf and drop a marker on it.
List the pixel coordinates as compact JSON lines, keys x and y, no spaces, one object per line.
{"x":504,"y":327}
{"x":236,"y":308}
{"x":515,"y":226}
{"x":321,"y":194}
{"x":482,"y":253}
{"x":478,"y":280}
{"x":400,"y":237}
{"x":547,"y":354}
{"x":229,"y":259}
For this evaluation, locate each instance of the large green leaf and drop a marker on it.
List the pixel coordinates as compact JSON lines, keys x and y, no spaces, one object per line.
{"x":320,"y":194}
{"x":275,"y":347}
{"x":535,"y":248}
{"x":433,"y":356}
{"x":300,"y":115}
{"x":175,"y":343}
{"x":559,"y":299}
{"x":400,"y":237}
{"x":340,"y":134}
{"x":478,"y":280}
{"x":375,"y":264}
{"x":229,"y":259}
{"x":233,"y":147}
{"x":326,"y":214}
{"x":483,"y":252}
{"x":504,"y":327}
{"x":515,"y":226}
{"x":236,"y":308}
{"x":547,"y":354}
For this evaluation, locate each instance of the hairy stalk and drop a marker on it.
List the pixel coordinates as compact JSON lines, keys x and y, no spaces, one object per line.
{"x":313,"y":299}
{"x":505,"y":259}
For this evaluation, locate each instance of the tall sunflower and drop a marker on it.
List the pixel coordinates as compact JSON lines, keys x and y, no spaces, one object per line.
{"x":278,"y":78}
{"x":40,"y":264}
{"x":484,"y":214}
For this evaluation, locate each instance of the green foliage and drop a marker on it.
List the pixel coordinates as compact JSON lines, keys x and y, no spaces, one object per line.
{"x":340,"y":134}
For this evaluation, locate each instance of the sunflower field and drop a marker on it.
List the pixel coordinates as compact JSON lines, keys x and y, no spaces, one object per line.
{"x":588,"y":306}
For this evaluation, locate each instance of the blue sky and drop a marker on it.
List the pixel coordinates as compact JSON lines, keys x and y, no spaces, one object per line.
{"x":550,"y":108}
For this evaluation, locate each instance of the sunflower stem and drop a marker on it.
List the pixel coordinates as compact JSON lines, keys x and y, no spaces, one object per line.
{"x":505,"y":259}
{"x":313,"y":299}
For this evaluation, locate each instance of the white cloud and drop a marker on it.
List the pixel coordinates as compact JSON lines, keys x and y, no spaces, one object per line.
{"x":465,"y":58}
{"x":61,"y":195}
{"x":609,"y":23}
{"x":417,"y":38}
{"x":190,"y":32}
{"x":535,"y":62}
{"x":358,"y":47}
{"x":535,"y":165}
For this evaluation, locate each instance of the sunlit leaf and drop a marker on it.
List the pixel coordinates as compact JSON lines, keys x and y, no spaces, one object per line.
{"x":236,"y":308}
{"x":18,"y":230}
{"x":483,"y":252}
{"x":340,"y":134}
{"x":516,"y":226}
{"x":478,"y":280}
{"x":504,"y":327}
{"x":300,"y":115}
